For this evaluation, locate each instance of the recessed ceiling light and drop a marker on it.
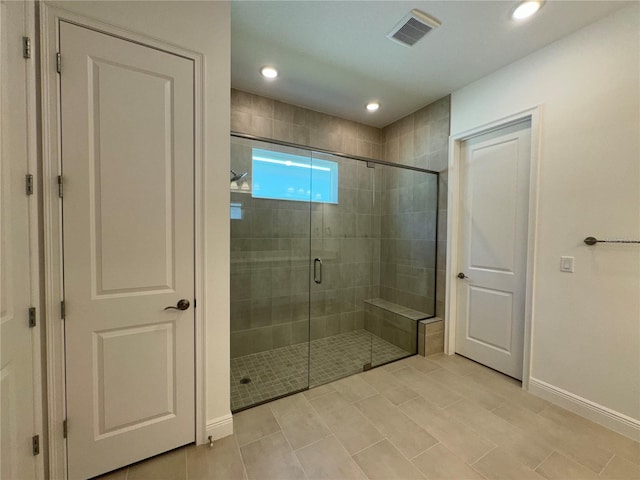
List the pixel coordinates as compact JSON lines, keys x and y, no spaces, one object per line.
{"x":269,"y":72}
{"x":526,"y":9}
{"x":373,"y":106}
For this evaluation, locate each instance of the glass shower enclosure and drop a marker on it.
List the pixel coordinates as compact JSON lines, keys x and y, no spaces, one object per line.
{"x":332,"y":266}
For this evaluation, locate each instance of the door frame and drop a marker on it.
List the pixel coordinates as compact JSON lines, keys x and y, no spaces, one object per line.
{"x":30,"y":137}
{"x":453,"y":228}
{"x":50,"y":18}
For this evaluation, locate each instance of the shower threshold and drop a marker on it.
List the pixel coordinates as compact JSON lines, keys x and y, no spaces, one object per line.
{"x":282,"y":371}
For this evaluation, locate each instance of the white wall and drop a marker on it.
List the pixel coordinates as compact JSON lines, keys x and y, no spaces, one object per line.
{"x":203,"y":27}
{"x":586,"y":325}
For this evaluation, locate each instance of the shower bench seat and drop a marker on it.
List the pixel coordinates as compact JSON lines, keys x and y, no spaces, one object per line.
{"x":394,"y":323}
{"x":396,"y":309}
{"x":401,"y":326}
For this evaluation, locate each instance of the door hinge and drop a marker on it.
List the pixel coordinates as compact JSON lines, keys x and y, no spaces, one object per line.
{"x":63,"y":310}
{"x":32,"y":317}
{"x":58,"y":62}
{"x":26,"y":47}
{"x":35,"y":445}
{"x":28,"y":181}
{"x":60,"y":189}
{"x":371,"y":165}
{"x":64,"y":428}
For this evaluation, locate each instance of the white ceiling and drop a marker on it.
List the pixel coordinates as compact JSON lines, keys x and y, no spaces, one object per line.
{"x":333,"y":56}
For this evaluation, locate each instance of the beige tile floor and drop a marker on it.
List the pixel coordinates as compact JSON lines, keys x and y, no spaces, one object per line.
{"x":436,"y":418}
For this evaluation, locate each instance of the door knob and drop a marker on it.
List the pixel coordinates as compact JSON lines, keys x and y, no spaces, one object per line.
{"x":182,"y":304}
{"x":462,"y":276}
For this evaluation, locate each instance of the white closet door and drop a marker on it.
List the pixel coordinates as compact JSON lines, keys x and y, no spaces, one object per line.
{"x":128,"y":228}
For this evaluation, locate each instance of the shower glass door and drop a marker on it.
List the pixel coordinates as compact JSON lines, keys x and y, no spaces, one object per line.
{"x":408,"y":220}
{"x":344,"y":267}
{"x":332,"y":266}
{"x":270,"y":218}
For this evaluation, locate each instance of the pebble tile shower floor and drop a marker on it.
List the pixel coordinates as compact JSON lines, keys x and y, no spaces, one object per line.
{"x":277,"y":372}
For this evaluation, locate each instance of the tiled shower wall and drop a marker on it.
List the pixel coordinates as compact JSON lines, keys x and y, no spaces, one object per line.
{"x":346,"y":237}
{"x":269,"y":269}
{"x":408,"y":236}
{"x":264,"y":316}
{"x":422,"y":140}
{"x":264,"y":117}
{"x":270,"y":262}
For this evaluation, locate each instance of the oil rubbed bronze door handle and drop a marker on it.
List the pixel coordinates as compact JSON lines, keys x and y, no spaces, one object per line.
{"x":462,"y":276}
{"x":183,"y":304}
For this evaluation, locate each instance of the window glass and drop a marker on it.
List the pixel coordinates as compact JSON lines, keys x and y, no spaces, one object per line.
{"x":236,"y":211}
{"x":284,"y":176}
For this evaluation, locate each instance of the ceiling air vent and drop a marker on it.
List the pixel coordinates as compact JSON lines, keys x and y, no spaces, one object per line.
{"x":415,"y":25}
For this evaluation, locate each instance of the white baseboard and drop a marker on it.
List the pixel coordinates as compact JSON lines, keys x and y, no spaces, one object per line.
{"x":616,"y":421}
{"x":219,"y":427}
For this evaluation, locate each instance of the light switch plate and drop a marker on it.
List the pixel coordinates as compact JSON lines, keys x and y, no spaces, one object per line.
{"x":566,"y":264}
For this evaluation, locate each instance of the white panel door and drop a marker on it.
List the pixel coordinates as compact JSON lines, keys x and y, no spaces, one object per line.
{"x":19,"y":344}
{"x":493,"y":248}
{"x":128,"y":236}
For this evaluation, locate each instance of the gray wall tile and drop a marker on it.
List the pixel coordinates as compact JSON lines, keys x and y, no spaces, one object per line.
{"x":371,"y":249}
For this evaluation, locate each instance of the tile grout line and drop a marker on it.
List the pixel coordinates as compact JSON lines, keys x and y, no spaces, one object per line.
{"x":545,"y":459}
{"x":258,"y":439}
{"x":320,"y":395}
{"x":384,"y":437}
{"x":475,"y":469}
{"x":354,"y":462}
{"x":313,"y":409}
{"x":475,"y":429}
{"x":465,"y":396}
{"x":244,"y":467}
{"x":287,"y":439}
{"x":262,"y":438}
{"x":444,"y":409}
{"x":580,"y":461}
{"x":499,"y":405}
{"x":461,"y":399}
{"x":348,"y":455}
{"x":477,"y":432}
{"x":417,"y":425}
{"x":420,"y":453}
{"x":295,"y":455}
{"x":472,"y":464}
{"x":371,"y":423}
{"x":186,"y":464}
{"x":426,"y":450}
{"x":607,"y":464}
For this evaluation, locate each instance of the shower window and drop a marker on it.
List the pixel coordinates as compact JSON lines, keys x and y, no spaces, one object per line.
{"x":284,"y":176}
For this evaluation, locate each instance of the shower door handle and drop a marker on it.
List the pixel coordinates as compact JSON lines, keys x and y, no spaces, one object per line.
{"x":317,"y":272}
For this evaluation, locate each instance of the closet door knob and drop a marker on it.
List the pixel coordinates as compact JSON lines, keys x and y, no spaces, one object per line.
{"x":183,"y":304}
{"x":462,"y":276}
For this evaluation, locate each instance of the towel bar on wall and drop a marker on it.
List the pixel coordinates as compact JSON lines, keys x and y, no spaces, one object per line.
{"x":594,"y":240}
